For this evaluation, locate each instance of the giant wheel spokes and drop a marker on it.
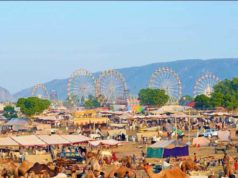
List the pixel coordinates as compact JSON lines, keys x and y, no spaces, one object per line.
{"x":40,"y":91}
{"x":204,"y":84}
{"x":166,"y":79}
{"x":81,"y":85}
{"x":112,"y":86}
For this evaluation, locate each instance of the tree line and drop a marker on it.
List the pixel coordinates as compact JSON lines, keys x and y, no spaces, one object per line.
{"x":225,"y":95}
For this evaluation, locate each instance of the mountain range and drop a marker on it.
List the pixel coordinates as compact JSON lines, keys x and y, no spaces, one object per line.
{"x":137,"y":77}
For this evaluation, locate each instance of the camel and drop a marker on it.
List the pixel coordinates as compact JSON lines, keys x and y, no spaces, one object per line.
{"x":127,"y":161}
{"x":94,"y":164}
{"x":63,"y":162}
{"x":61,"y":175}
{"x":24,"y":167}
{"x":168,"y":173}
{"x":211,"y":176}
{"x":39,"y":168}
{"x":5,"y":160}
{"x":90,"y":175}
{"x":91,"y":154}
{"x":9,"y":169}
{"x":121,"y":171}
{"x":188,"y":165}
{"x":229,"y":170}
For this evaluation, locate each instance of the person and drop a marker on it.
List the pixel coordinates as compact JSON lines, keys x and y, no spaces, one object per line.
{"x":114,"y":157}
{"x":142,"y":153}
{"x":21,"y":158}
{"x":115,"y":175}
{"x":127,"y":175}
{"x":195,"y":157}
{"x":123,"y":137}
{"x":134,"y":158}
{"x":225,"y":159}
{"x":167,"y":160}
{"x":153,"y":139}
{"x":145,"y":140}
{"x":102,"y":175}
{"x":236,"y":165}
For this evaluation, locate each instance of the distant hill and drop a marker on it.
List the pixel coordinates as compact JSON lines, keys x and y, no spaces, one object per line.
{"x":5,"y":95}
{"x":137,"y":77}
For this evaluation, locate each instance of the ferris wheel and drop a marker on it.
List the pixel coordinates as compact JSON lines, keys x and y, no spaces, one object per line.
{"x":111,"y":85}
{"x":166,"y":79}
{"x":81,"y":85}
{"x":40,"y":91}
{"x":204,"y":84}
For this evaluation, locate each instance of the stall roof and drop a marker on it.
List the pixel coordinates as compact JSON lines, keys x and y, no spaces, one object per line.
{"x":110,"y":142}
{"x":162,"y":144}
{"x":17,"y":121}
{"x":166,"y":144}
{"x":76,"y":138}
{"x":224,"y":135}
{"x":202,"y":141}
{"x":53,"y":139}
{"x":28,"y":140}
{"x":7,"y":141}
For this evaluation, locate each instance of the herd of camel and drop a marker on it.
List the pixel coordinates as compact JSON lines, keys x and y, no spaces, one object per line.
{"x":54,"y":169}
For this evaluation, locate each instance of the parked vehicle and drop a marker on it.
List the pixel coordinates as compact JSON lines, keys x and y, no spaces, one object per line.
{"x":210,"y":132}
{"x":74,"y":156}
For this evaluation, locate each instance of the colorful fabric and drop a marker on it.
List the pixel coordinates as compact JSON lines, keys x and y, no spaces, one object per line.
{"x":177,"y":151}
{"x":155,"y":152}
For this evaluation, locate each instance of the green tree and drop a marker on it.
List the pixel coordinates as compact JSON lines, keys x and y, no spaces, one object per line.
{"x":226,"y":94}
{"x":202,"y":102}
{"x":153,"y":97}
{"x":185,"y":100}
{"x":217,"y":99}
{"x":91,"y":102}
{"x":32,"y":105}
{"x":9,"y":112}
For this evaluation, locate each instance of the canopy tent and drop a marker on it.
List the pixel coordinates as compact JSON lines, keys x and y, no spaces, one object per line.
{"x":170,"y":109}
{"x":42,"y":140}
{"x":201,"y":141}
{"x":76,"y":138}
{"x":118,"y":125}
{"x":95,"y":143}
{"x":53,"y":139}
{"x":50,"y":118}
{"x":7,"y":141}
{"x":116,"y":132}
{"x":109,"y":142}
{"x":28,"y":140}
{"x":18,"y":124}
{"x":146,"y":134}
{"x":224,"y":135}
{"x":167,"y":148}
{"x":85,"y":121}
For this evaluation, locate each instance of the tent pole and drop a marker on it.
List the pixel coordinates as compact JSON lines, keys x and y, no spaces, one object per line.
{"x":189,"y":127}
{"x":175,"y":120}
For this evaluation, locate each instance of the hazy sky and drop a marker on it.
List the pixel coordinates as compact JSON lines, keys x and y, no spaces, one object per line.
{"x":41,"y":41}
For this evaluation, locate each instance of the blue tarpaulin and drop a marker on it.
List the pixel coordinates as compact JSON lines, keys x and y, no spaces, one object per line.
{"x":176,"y":151}
{"x":167,"y":148}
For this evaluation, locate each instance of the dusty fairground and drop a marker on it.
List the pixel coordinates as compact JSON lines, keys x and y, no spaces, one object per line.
{"x":205,"y":153}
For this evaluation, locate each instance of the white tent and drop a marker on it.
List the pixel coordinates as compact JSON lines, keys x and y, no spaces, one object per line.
{"x":28,"y":140}
{"x":76,"y":138}
{"x":53,"y":139}
{"x":18,"y":124}
{"x":7,"y":141}
{"x":201,"y":141}
{"x":109,"y":142}
{"x":224,"y":135}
